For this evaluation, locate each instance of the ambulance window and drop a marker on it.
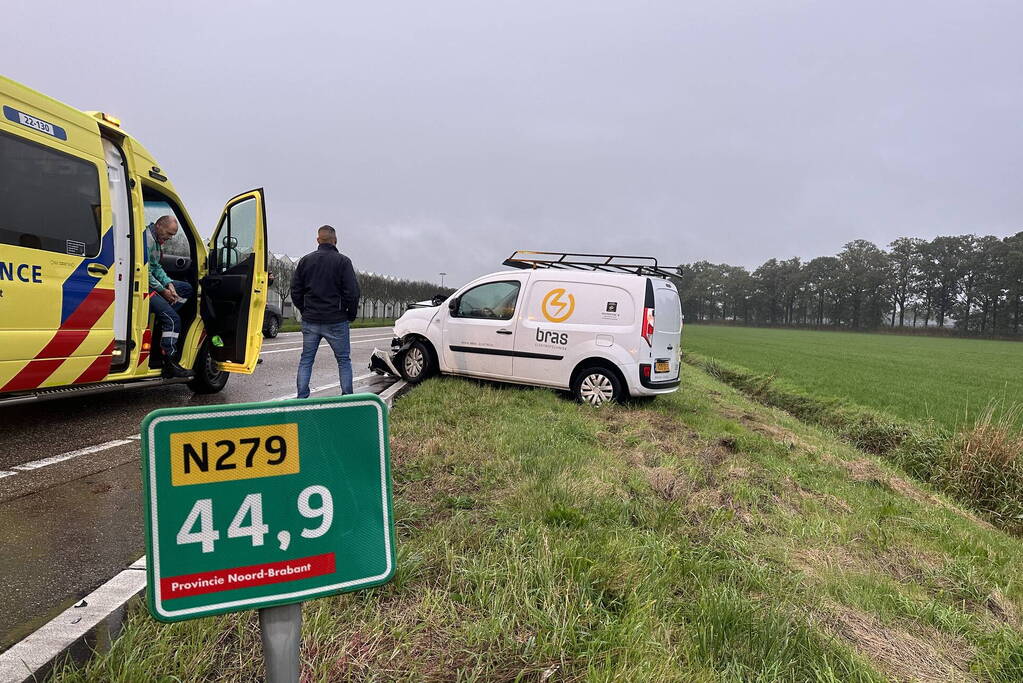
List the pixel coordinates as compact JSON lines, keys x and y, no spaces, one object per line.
{"x":48,"y":200}
{"x":178,"y":245}
{"x":492,"y":301}
{"x":236,"y":236}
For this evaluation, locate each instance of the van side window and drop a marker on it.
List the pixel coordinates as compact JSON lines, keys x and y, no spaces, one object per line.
{"x":492,"y":301}
{"x":48,"y":200}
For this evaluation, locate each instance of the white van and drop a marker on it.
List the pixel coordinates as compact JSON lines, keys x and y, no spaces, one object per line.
{"x":598,"y":326}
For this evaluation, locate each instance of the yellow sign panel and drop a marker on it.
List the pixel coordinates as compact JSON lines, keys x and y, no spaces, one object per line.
{"x":230,"y":454}
{"x":556,"y":308}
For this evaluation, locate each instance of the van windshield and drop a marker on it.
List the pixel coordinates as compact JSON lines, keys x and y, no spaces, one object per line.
{"x":667,"y":310}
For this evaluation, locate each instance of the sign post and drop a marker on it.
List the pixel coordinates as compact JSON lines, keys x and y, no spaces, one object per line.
{"x":264,"y":505}
{"x":280,"y":629}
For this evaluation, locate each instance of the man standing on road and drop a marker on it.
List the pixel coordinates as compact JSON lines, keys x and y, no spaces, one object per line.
{"x":166,"y":296}
{"x":325,"y":291}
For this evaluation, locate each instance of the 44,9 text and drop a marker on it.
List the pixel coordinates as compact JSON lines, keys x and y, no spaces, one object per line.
{"x":248,"y":520}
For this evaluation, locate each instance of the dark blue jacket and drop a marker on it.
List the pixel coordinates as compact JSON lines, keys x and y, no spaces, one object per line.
{"x":324,"y":287}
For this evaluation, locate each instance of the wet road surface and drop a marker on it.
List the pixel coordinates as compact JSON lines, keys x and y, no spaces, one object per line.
{"x":70,"y":479}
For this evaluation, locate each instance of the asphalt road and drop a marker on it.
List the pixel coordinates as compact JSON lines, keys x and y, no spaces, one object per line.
{"x":70,"y":479}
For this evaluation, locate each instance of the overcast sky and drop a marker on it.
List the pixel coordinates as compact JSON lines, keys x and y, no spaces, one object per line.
{"x":440,"y":136}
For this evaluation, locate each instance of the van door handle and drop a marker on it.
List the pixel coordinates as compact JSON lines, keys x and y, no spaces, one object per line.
{"x":504,"y":332}
{"x":670,"y":348}
{"x":97,"y":269}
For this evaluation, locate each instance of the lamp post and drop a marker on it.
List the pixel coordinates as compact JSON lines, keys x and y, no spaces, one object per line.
{"x":442,"y":279}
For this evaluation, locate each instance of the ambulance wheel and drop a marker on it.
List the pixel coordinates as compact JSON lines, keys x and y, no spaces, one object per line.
{"x":596,"y":386}
{"x":417,"y":363}
{"x":271,"y":327}
{"x":209,"y":378}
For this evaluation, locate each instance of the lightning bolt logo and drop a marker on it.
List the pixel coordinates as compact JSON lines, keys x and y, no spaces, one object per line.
{"x":556,"y":308}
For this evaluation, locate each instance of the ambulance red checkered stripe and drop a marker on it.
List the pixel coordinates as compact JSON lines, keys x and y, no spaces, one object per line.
{"x":82,"y":306}
{"x":147,"y":340}
{"x":65,"y":341}
{"x":99,"y":368}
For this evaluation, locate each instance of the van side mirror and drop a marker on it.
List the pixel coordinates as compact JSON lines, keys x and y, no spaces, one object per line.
{"x":453,"y":306}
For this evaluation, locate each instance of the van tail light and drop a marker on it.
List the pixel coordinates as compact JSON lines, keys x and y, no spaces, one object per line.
{"x":648,"y":326}
{"x":644,"y":370}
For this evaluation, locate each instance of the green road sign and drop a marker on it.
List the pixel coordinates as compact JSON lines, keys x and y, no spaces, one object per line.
{"x":261,"y":504}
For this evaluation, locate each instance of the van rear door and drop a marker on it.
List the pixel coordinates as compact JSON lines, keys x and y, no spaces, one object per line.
{"x":667,"y":334}
{"x":234,"y":287}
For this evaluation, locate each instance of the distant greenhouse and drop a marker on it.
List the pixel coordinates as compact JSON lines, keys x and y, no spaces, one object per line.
{"x":383,"y":296}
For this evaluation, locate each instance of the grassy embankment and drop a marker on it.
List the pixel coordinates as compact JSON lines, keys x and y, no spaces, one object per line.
{"x":700,"y":537}
{"x":942,"y":409}
{"x":290,"y":325}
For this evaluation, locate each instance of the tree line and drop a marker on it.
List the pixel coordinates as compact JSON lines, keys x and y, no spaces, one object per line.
{"x":397,"y":292}
{"x":966,"y":283}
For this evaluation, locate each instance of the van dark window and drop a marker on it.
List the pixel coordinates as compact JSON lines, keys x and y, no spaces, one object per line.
{"x":48,"y":200}
{"x":492,"y":301}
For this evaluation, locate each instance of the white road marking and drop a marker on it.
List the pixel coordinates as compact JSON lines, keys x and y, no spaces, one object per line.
{"x":293,"y":348}
{"x":88,"y":450}
{"x":332,"y":385}
{"x":351,"y":331}
{"x":297,"y":338}
{"x":322,"y":344}
{"x":36,"y":464}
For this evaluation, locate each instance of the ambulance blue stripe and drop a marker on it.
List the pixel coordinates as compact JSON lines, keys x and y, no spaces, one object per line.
{"x":79,"y":284}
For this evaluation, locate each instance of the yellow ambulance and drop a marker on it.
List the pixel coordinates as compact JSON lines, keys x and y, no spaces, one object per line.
{"x":77,"y":198}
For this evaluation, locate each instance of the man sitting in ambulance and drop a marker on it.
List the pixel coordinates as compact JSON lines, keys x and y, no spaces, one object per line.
{"x":166,"y":295}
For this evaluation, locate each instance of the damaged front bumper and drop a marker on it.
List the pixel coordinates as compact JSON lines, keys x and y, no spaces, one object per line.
{"x":384,"y":362}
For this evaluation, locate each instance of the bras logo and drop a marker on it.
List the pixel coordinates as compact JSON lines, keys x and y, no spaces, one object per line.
{"x":557,"y":305}
{"x":548,"y":337}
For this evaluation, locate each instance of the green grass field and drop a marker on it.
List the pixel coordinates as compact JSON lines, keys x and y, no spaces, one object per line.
{"x":699,"y":537}
{"x":949,"y":381}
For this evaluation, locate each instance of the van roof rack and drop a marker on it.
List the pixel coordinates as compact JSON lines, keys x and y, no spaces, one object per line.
{"x":611,"y":263}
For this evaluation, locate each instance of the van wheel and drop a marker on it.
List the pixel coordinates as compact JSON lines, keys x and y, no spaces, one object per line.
{"x":596,"y":386}
{"x":209,"y":378}
{"x":417,"y":363}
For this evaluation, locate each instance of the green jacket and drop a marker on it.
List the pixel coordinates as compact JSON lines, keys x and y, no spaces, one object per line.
{"x":158,"y":278}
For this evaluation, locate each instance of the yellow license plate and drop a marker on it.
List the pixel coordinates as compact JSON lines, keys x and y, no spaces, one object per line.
{"x":662,"y":366}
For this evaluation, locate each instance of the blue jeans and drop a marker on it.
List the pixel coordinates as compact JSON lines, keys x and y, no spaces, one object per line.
{"x":167,"y":315}
{"x":336,"y":335}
